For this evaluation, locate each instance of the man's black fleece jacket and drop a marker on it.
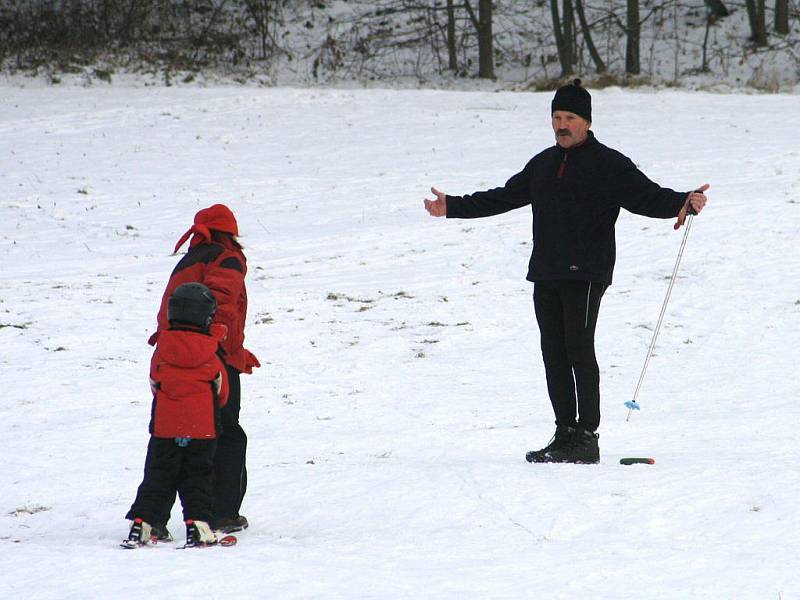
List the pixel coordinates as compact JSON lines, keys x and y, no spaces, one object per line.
{"x":575,"y":195}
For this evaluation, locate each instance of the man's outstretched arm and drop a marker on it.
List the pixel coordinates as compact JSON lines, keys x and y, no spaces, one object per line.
{"x":514,"y":194}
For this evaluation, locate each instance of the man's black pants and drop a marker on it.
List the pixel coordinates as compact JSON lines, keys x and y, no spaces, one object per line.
{"x":170,"y":468}
{"x":230,"y":469}
{"x":567,"y":315}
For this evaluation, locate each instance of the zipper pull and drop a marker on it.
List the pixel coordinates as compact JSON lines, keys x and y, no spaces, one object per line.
{"x":562,"y":167}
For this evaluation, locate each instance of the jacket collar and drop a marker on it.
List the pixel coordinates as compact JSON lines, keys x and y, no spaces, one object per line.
{"x":587,"y":143}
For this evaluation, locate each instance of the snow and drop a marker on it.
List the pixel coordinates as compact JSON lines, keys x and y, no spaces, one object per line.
{"x":402,"y":381}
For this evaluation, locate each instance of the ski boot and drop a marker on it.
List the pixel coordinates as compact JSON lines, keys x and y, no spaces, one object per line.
{"x":141,"y":533}
{"x":199,"y":534}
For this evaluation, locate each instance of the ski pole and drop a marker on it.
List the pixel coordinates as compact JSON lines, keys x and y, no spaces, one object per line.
{"x":631,"y":404}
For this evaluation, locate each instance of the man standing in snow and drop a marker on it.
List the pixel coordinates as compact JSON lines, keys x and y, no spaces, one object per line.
{"x":576,"y":189}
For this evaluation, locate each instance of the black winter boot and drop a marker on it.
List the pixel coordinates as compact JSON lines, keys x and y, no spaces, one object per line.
{"x":230,"y":524}
{"x":161,"y":533}
{"x":560,"y":440}
{"x":582,"y":449}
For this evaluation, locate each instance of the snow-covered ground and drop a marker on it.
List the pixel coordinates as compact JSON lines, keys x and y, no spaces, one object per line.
{"x":402,"y":382}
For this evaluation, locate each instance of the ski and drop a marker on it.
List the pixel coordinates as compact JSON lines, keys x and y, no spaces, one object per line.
{"x":225,"y":541}
{"x":133,"y":544}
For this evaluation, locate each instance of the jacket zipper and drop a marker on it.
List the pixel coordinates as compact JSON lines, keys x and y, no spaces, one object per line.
{"x":562,"y":167}
{"x":588,"y":297}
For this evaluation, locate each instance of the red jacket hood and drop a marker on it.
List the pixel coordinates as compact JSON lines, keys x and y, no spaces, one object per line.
{"x":187,"y":349}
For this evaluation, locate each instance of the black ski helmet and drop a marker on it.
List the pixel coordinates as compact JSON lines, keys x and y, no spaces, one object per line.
{"x":192,"y":304}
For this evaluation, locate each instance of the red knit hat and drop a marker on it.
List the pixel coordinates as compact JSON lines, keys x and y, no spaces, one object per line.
{"x":217,"y":218}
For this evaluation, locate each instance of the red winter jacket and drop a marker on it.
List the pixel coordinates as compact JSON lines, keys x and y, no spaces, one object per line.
{"x":222,"y":267}
{"x":189,"y":382}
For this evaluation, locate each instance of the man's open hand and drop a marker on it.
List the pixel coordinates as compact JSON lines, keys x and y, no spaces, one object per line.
{"x":438,"y":207}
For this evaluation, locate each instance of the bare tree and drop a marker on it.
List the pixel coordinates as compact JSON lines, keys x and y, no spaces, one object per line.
{"x":483,"y":25}
{"x":452,"y":58}
{"x":262,"y":13}
{"x":633,"y":30}
{"x":600,"y":66}
{"x":564,"y":30}
{"x":782,"y":17}
{"x":485,"y":40}
{"x":756,"y":14}
{"x":709,"y":21}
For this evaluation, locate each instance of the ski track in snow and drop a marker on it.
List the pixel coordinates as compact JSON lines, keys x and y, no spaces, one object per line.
{"x":401,"y":383}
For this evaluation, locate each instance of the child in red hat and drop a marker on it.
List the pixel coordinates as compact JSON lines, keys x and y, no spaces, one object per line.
{"x":215,"y":258}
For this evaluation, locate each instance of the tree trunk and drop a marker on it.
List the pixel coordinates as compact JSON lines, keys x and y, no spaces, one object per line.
{"x":717,"y":8}
{"x":483,"y":25}
{"x":709,"y":20}
{"x":751,"y":17}
{"x":568,"y":23}
{"x":758,"y":21}
{"x":632,"y":43}
{"x":563,"y":35}
{"x":599,"y":65}
{"x":452,"y":58}
{"x":485,"y":40}
{"x":260,"y":13}
{"x":782,"y":16}
{"x":762,"y":22}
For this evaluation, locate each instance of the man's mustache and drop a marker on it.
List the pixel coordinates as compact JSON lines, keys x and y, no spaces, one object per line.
{"x":563,"y":132}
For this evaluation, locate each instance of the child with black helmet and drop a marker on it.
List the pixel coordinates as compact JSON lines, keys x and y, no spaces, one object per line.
{"x":190,"y":386}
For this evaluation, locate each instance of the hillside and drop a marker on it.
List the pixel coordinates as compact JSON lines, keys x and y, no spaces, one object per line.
{"x":385,"y":43}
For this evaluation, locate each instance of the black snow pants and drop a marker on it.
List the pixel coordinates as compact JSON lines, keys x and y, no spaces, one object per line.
{"x":170,"y":468}
{"x":230,"y":470}
{"x":566,"y":312}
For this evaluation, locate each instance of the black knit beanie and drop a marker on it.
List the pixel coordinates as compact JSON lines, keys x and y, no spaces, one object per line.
{"x":573,"y":98}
